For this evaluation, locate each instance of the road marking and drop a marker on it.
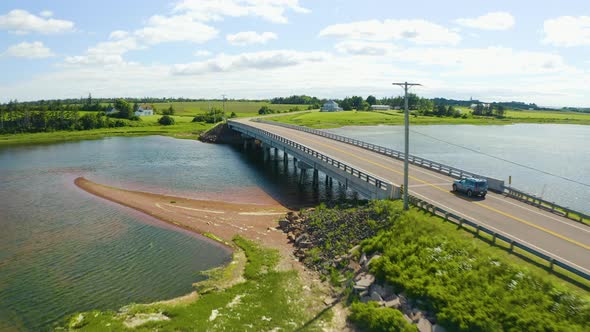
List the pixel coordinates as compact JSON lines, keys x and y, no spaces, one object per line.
{"x":548,"y":231}
{"x":533,"y":225}
{"x":511,"y":236}
{"x":420,"y":169}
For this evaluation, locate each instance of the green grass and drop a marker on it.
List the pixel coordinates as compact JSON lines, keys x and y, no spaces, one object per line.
{"x":354,"y":118}
{"x":267,"y":300}
{"x":241,"y":108}
{"x":148,"y":125}
{"x":470,"y":283}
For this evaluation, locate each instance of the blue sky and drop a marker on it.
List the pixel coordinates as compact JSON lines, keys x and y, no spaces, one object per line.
{"x":490,"y":50}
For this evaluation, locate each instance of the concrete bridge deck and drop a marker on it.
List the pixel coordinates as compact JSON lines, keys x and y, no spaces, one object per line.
{"x":554,"y":235}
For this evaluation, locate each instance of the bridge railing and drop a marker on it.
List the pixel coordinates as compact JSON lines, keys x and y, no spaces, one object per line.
{"x":451,"y":217}
{"x":493,"y":184}
{"x":371,"y":179}
{"x":544,"y":204}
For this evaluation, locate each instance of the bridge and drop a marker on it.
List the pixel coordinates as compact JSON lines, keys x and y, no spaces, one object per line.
{"x":542,"y":230}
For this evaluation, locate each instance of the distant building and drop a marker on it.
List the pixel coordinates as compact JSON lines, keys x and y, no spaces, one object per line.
{"x":330,"y":106}
{"x":473,"y":106}
{"x":144,"y":110}
{"x":380,"y":107}
{"x":111,"y":111}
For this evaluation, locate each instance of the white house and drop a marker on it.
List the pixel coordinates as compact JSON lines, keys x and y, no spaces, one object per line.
{"x":473,"y":106}
{"x":380,"y":107}
{"x":144,"y":110}
{"x":330,"y":106}
{"x":111,"y":110}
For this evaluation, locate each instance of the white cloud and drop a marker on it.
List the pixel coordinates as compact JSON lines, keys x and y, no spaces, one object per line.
{"x":46,"y":13}
{"x":489,"y":21}
{"x":264,"y":60}
{"x":357,"y":47}
{"x":161,"y":29}
{"x":567,"y":31}
{"x":118,"y":34}
{"x":202,"y":53}
{"x":250,"y":37}
{"x":417,"y":31}
{"x":34,"y":50}
{"x":215,"y":10}
{"x":105,"y":53}
{"x":22,"y":22}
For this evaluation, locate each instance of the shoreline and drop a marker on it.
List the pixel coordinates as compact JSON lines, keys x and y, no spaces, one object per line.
{"x":214,"y":221}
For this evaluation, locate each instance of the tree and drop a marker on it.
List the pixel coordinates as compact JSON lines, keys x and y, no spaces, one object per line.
{"x":169,"y":111}
{"x":371,"y":100}
{"x":500,"y":109}
{"x":357,"y":103}
{"x":233,"y":115}
{"x":425,"y":106}
{"x":166,"y":120}
{"x":124,"y":108}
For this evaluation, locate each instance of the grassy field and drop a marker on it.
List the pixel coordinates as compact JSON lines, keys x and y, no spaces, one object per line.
{"x":241,"y":108}
{"x":354,"y":118}
{"x":183,"y":128}
{"x":469,"y":284}
{"x":268,"y":300}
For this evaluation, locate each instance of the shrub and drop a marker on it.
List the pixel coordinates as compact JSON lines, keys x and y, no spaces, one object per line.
{"x":166,"y":120}
{"x":233,"y":115}
{"x":370,"y":317}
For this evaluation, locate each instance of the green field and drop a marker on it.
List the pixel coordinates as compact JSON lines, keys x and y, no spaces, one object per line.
{"x":241,"y":108}
{"x":354,"y":118}
{"x":148,"y":125}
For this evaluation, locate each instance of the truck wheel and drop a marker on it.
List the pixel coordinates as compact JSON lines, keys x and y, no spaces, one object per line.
{"x":469,"y":193}
{"x":483,"y":195}
{"x":454,"y":187}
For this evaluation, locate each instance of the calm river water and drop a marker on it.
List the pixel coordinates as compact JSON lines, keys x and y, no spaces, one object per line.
{"x":63,"y":250}
{"x":562,"y":150}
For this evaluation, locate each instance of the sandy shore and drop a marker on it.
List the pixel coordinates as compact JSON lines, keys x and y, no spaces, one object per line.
{"x":224,"y":220}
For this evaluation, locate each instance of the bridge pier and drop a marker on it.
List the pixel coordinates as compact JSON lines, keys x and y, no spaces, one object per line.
{"x":316,"y":178}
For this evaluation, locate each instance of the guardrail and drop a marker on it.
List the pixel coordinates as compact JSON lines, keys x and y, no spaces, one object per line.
{"x":448,"y":216}
{"x":493,"y":184}
{"x":371,"y":179}
{"x":541,"y":203}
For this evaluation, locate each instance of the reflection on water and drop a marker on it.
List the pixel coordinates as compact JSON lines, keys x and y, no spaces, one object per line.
{"x":63,"y":250}
{"x":554,"y":148}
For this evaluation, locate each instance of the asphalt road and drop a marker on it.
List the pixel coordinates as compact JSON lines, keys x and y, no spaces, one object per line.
{"x":556,"y":236}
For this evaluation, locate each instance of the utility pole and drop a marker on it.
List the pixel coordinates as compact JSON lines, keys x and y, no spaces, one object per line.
{"x":405,"y":86}
{"x":223,"y":107}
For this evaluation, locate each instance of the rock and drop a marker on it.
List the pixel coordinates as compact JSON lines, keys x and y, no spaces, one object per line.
{"x":302,"y":238}
{"x":329,"y":301}
{"x":363,"y":259}
{"x":376,"y":297}
{"x":373,"y":258}
{"x":291,"y":237}
{"x":305,"y":244}
{"x":408,"y":319}
{"x":284,"y":224}
{"x":354,"y":249}
{"x":393,"y":303}
{"x":358,"y":289}
{"x":365,"y":299}
{"x":417,"y":315}
{"x":365,"y":279}
{"x":438,"y":328}
{"x":382,"y":291}
{"x":424,"y":325}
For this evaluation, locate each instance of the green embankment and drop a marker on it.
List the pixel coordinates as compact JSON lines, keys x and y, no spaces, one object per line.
{"x":370,"y":118}
{"x":469,"y":284}
{"x":148,"y":125}
{"x":267,"y":300}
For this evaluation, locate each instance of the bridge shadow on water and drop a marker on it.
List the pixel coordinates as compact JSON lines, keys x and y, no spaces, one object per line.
{"x":286,"y":184}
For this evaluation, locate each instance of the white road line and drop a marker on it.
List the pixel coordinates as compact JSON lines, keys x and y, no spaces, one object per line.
{"x":498,"y":231}
{"x":430,"y":173}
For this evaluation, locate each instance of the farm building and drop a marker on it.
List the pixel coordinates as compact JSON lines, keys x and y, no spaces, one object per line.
{"x":144,"y":110}
{"x":380,"y":107}
{"x":330,"y":106}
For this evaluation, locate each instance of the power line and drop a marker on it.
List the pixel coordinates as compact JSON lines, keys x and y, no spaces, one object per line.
{"x":502,"y":159}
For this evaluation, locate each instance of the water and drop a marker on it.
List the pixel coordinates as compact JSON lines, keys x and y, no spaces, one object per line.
{"x":63,"y":250}
{"x":554,"y":148}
